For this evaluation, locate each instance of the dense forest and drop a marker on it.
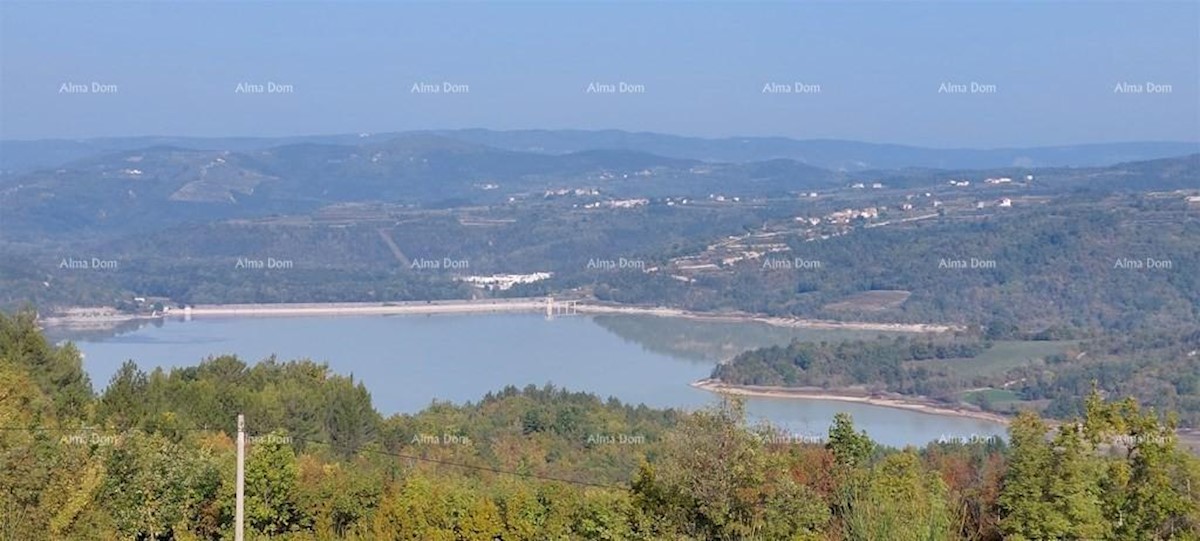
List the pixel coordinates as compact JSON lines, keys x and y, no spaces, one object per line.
{"x":884,"y":362}
{"x":1161,"y":369}
{"x":1055,"y":262}
{"x":151,"y":456}
{"x":1055,"y":266}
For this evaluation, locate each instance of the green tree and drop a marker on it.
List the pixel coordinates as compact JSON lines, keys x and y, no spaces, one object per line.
{"x":1073,"y":488}
{"x":123,"y":403}
{"x":901,"y":502}
{"x":850,"y":449}
{"x":351,"y":421}
{"x":155,"y":488}
{"x":1151,"y":488}
{"x":271,"y":474}
{"x":1027,"y":513}
{"x":57,"y":371}
{"x":716,"y":480}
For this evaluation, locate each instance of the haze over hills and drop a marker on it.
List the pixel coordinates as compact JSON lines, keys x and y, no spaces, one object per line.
{"x":841,"y":155}
{"x":171,"y":184}
{"x":22,"y":156}
{"x":168,"y":183}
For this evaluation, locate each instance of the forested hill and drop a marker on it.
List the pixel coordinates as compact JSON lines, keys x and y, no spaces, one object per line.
{"x":1086,"y":264}
{"x":152,"y":187}
{"x":1161,"y":369}
{"x":147,"y":188}
{"x":152,"y":457}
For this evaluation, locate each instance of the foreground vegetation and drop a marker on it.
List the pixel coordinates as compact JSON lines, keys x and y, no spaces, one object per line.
{"x":152,"y":457}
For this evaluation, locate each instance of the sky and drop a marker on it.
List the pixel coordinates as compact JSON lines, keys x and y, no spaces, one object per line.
{"x":1035,"y":73}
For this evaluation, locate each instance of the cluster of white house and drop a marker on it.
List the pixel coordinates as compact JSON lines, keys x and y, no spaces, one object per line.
{"x":993,"y":181}
{"x":561,"y":192}
{"x":1003,"y":202}
{"x":503,"y":282}
{"x":618,"y":204}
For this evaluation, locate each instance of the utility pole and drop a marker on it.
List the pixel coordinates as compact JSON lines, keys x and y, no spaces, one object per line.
{"x":240,"y":512}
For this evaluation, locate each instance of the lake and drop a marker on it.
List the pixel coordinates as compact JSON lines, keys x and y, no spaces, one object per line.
{"x":409,"y":361}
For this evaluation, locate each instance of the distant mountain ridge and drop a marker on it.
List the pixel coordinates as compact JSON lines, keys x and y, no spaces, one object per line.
{"x":18,"y":156}
{"x":833,"y":154}
{"x":167,"y":182}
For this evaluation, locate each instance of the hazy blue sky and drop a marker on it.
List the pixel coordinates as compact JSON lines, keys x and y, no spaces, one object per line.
{"x":352,"y":66}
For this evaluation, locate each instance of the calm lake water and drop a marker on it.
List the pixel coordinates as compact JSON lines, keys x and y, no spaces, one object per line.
{"x":409,"y":361}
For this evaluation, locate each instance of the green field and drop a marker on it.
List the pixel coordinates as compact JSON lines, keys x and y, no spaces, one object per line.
{"x":994,"y":399}
{"x":1001,"y":357}
{"x":872,"y":301}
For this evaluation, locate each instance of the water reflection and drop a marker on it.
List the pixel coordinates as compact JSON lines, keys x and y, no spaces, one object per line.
{"x":715,"y":341}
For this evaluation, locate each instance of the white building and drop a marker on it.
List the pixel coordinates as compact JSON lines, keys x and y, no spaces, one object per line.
{"x":504,"y":282}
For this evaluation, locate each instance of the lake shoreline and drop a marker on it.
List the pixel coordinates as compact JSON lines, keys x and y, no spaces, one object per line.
{"x":847,"y":395}
{"x":777,"y":321}
{"x":528,"y":305}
